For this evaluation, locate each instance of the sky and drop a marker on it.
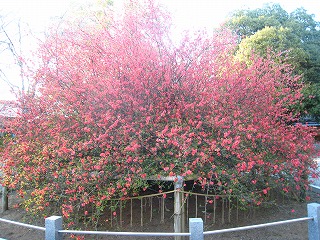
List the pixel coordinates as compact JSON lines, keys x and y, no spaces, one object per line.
{"x":186,"y":14}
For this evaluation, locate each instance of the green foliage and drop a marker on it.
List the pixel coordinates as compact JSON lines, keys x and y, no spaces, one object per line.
{"x":280,"y":40}
{"x":293,"y":38}
{"x":248,"y":22}
{"x":1,"y":141}
{"x":312,"y":99}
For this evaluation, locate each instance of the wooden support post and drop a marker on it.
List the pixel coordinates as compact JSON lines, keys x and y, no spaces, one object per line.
{"x":151,"y":209}
{"x":183,"y":212}
{"x":214,"y":209}
{"x":187,"y":202}
{"x":237,"y":210}
{"x":141,"y":212}
{"x":5,"y":202}
{"x":205,"y":208}
{"x":121,"y":213}
{"x":222,"y":213}
{"x":131,"y":213}
{"x":229,"y":213}
{"x":111,"y":216}
{"x":162,"y":210}
{"x":196,"y":206}
{"x":179,"y":218}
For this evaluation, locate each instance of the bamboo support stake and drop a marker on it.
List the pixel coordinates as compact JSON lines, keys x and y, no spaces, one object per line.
{"x":120,"y":213}
{"x":145,"y":204}
{"x":222,"y":217}
{"x":111,"y":218}
{"x":141,"y":212}
{"x":214,"y":210}
{"x":196,"y":206}
{"x":187,"y":200}
{"x":205,"y":208}
{"x":131,"y":213}
{"x":183,"y":211}
{"x":162,"y":210}
{"x":151,"y":209}
{"x":237,"y":209}
{"x":229,"y":214}
{"x":159,"y":203}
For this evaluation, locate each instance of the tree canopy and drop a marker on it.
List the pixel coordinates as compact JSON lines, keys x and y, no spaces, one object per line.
{"x":117,"y":102}
{"x":295,"y":35}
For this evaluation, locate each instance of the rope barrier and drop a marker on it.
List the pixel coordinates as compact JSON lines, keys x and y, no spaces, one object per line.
{"x":139,"y":197}
{"x":22,"y":224}
{"x":257,"y":226}
{"x":164,"y":193}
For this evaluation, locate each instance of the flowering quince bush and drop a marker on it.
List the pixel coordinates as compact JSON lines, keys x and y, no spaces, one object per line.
{"x":116,"y":102}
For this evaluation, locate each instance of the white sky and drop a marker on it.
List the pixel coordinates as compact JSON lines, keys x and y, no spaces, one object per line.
{"x":187,"y":14}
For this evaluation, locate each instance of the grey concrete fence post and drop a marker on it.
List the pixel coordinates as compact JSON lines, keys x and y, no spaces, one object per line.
{"x":196,"y":228}
{"x":314,"y":225}
{"x":53,"y":224}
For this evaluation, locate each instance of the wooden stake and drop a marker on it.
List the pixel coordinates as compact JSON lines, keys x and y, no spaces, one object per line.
{"x":120,"y":213}
{"x":229,"y":214}
{"x":159,"y":208}
{"x":5,"y":202}
{"x":187,"y":200}
{"x":237,"y":209}
{"x":151,"y":209}
{"x":196,"y":206}
{"x":131,"y":213}
{"x":205,"y":209}
{"x":141,"y":212}
{"x":222,"y":218}
{"x":214,"y":210}
{"x":111,"y":218}
{"x":162,"y":210}
{"x":178,"y":206}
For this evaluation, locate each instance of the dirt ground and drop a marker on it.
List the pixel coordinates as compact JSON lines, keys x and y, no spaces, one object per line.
{"x":282,"y":210}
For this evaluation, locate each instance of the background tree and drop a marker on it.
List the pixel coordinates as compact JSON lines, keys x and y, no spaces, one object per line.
{"x":296,"y":36}
{"x":12,"y":32}
{"x":116,"y":102}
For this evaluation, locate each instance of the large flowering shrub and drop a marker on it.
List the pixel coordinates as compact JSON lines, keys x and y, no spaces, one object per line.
{"x":117,"y":102}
